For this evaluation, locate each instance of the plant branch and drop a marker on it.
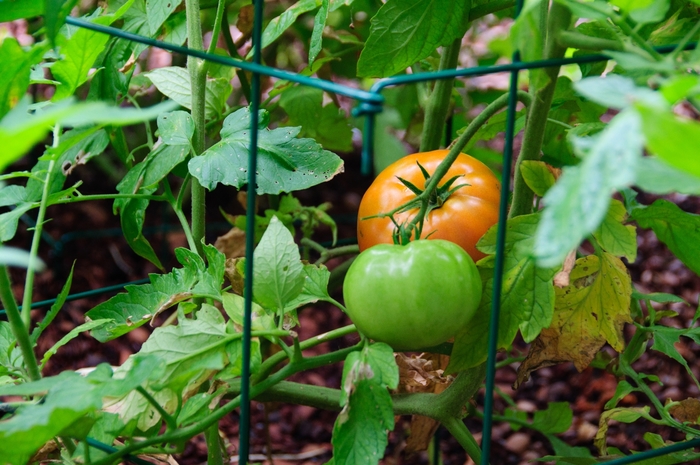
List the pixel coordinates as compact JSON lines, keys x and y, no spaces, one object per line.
{"x":439,"y":101}
{"x":533,"y":138}
{"x":455,"y":149}
{"x":186,"y":433}
{"x":573,"y":39}
{"x":19,"y":329}
{"x":327,"y":254}
{"x":268,"y":365}
{"x":461,"y":433}
{"x":198,"y":75}
{"x":169,"y":420}
{"x":492,"y":6}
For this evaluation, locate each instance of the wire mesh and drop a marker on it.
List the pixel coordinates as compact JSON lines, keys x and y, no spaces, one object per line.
{"x":369,"y":104}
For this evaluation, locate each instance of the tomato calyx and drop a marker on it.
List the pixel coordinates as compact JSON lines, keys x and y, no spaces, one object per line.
{"x":436,"y":198}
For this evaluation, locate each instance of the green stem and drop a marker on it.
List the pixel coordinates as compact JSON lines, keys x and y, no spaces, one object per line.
{"x":439,"y":101}
{"x":682,"y":44}
{"x":211,"y":435}
{"x":624,"y":25}
{"x":85,"y":198}
{"x":486,"y":8}
{"x":169,"y":420}
{"x":572,"y":39}
{"x":198,"y":77}
{"x":233,"y":51}
{"x":19,"y":329}
{"x":186,"y":433}
{"x":327,"y":254}
{"x":455,"y":149}
{"x":533,"y":138}
{"x":464,"y":437}
{"x":36,"y":238}
{"x":220,"y":13}
{"x":268,"y":365}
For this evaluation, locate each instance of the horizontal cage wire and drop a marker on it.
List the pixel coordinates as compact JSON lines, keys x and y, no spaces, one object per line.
{"x":369,"y":104}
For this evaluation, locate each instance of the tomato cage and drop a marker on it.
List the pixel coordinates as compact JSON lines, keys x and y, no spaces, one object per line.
{"x":369,"y":104}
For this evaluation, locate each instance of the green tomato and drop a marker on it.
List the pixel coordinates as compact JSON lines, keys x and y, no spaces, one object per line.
{"x":413,"y":296}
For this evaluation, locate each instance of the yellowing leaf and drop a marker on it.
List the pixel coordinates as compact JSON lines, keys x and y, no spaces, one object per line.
{"x":588,"y":313}
{"x":614,"y":236}
{"x":623,"y":415}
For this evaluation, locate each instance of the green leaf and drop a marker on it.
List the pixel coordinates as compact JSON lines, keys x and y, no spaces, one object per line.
{"x":614,"y":236}
{"x":328,"y":125}
{"x":527,"y":296}
{"x":285,"y":163}
{"x":665,"y":339}
{"x":679,"y":230}
{"x":278,"y":275}
{"x":658,"y":177}
{"x":671,"y":138}
{"x":660,"y":297}
{"x":565,"y":452}
{"x":176,"y":129}
{"x":526,"y":34}
{"x":404,"y":32}
{"x":189,"y":348}
{"x":234,"y":306}
{"x":11,"y":10}
{"x":140,"y":303}
{"x":10,"y":220}
{"x":644,"y":11}
{"x":12,"y":256}
{"x":317,"y":34}
{"x":597,"y":9}
{"x":537,"y":176}
{"x":55,"y":308}
{"x":360,"y":431}
{"x":281,"y":23}
{"x":70,"y":399}
{"x":14,"y":80}
{"x":578,"y":202}
{"x":157,"y":11}
{"x":615,"y":91}
{"x":174,"y":83}
{"x":315,"y":287}
{"x":20,"y":131}
{"x":589,"y":312}
{"x":79,"y":53}
{"x":75,"y":332}
{"x":623,"y":388}
{"x":556,"y":418}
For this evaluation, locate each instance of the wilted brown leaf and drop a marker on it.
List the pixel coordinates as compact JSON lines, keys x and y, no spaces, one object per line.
{"x":231,"y":244}
{"x":234,"y":275}
{"x":422,"y":373}
{"x":687,"y":410}
{"x":587,"y":313}
{"x":561,"y":279}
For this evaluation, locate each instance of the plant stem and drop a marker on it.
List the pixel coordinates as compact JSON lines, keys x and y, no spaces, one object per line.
{"x":455,"y":149}
{"x":634,"y":35}
{"x":533,"y":138}
{"x":682,"y":44}
{"x":486,"y":8}
{"x":198,"y":76}
{"x":19,"y":329}
{"x":268,"y":365}
{"x":439,"y":101}
{"x":186,"y":433}
{"x":461,"y":433}
{"x":169,"y":420}
{"x":572,"y":39}
{"x":327,"y":254}
{"x":36,"y":238}
{"x":211,"y":435}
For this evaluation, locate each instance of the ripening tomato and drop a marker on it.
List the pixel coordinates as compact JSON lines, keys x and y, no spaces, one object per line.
{"x":412,"y":296}
{"x":462,"y":218}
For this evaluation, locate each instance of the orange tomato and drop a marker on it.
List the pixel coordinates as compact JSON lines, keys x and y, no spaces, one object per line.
{"x":463,"y":218}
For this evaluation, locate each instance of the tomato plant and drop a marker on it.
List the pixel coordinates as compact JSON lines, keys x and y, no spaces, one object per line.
{"x":412,"y":296}
{"x":461,"y":216}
